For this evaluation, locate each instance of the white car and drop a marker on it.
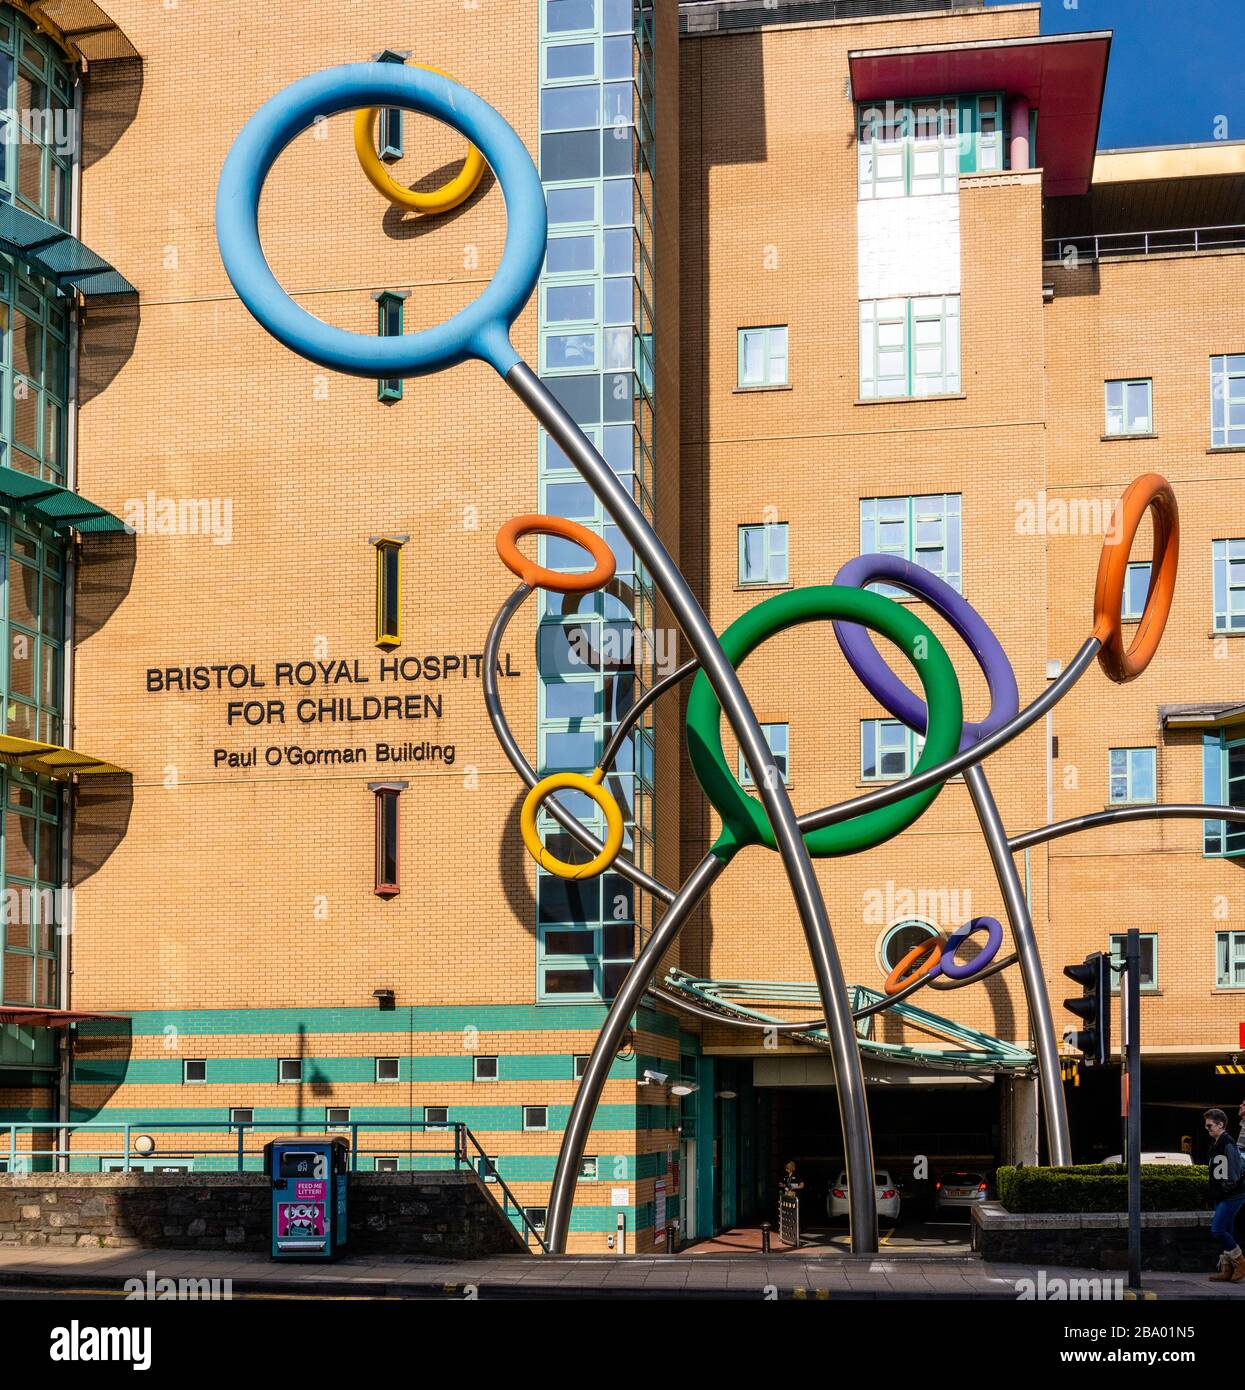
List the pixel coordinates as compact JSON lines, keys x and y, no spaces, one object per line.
{"x":960,"y":1188}
{"x":885,"y":1191}
{"x":1174,"y":1158}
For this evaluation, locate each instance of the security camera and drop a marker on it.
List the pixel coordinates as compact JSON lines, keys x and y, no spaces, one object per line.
{"x":656,"y":1078}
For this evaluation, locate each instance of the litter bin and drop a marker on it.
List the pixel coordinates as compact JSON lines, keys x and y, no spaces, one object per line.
{"x":309,"y":1187}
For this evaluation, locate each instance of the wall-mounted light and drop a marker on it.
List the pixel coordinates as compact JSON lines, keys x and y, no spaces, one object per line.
{"x":384,"y":999}
{"x":684,"y":1088}
{"x":144,"y":1144}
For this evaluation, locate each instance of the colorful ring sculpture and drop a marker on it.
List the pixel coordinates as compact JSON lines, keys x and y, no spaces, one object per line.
{"x":537,"y":576}
{"x":482,"y":331}
{"x":1147,"y":493}
{"x":590,"y":786}
{"x":442,"y":199}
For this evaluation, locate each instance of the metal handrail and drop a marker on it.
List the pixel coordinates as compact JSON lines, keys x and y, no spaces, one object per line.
{"x":464,"y":1141}
{"x":1146,"y":243}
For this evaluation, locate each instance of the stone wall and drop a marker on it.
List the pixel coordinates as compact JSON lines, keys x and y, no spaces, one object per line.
{"x":1170,"y":1240}
{"x":448,"y":1214}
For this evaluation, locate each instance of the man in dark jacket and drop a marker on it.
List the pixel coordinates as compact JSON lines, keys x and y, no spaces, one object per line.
{"x":1228,"y":1195}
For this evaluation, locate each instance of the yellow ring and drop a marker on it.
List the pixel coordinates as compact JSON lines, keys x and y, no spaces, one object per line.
{"x":590,"y":786}
{"x":442,"y":199}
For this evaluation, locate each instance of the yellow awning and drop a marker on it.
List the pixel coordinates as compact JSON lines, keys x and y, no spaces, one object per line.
{"x":50,"y":759}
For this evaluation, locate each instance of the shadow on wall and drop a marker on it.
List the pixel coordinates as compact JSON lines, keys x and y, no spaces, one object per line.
{"x":400,"y":225}
{"x":101,"y":1058}
{"x":103,"y":804}
{"x":512,"y":867}
{"x":105,"y":343}
{"x":109,"y":105}
{"x":105,"y":573}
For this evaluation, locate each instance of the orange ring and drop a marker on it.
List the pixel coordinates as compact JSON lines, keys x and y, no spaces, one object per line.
{"x":537,"y":576}
{"x":1153,"y":492}
{"x":931,"y":947}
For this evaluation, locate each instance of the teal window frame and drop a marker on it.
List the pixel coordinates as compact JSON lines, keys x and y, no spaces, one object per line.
{"x":1230,"y":960}
{"x":775,"y":357}
{"x":895,"y":347}
{"x":390,"y":143}
{"x":932,"y":526}
{"x":1118,"y":410}
{"x":1126,"y":769}
{"x":390,"y":323}
{"x":908,"y":924}
{"x":1227,"y":401}
{"x":970,"y":138}
{"x":590,"y":31}
{"x":34,"y":373}
{"x":775,"y":560}
{"x":533,"y":1128}
{"x":880,"y":738}
{"x":1223,"y":784}
{"x":1228,"y":584}
{"x":35,"y":168}
{"x":778,"y":736}
{"x":1136,"y":591}
{"x":486,"y":1058}
{"x":187,"y":1079}
{"x":388,"y":1080}
{"x":1150,"y":978}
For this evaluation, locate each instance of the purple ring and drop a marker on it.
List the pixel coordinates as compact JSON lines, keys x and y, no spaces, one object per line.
{"x":886,"y":687}
{"x":946,"y":962}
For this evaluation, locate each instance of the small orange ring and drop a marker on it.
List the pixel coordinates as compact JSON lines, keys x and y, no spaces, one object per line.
{"x":537,"y":576}
{"x":899,"y":978}
{"x":1153,"y":492}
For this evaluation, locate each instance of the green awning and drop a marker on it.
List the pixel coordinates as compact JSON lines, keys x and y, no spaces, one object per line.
{"x":55,"y":506}
{"x":50,"y":251}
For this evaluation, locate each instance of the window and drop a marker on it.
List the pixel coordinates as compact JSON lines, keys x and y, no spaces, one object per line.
{"x":1136,"y":590}
{"x":389,"y":310}
{"x":888,"y":750}
{"x":484,"y":1069}
{"x":1129,"y":406}
{"x":923,"y":145}
{"x":386,"y":1165}
{"x":1223,"y":784}
{"x":588,"y":1169}
{"x":387,"y":827}
{"x":486,"y":1167}
{"x":390,"y":145}
{"x":580,"y":1065}
{"x":1230,"y":959}
{"x":586,"y":931}
{"x":1149,"y":961}
{"x":925,"y":530}
{"x":436,"y":1115}
{"x":242,"y":1115}
{"x":290,"y":1069}
{"x":1227,"y":401}
{"x":763,"y":554}
{"x":763,"y":356}
{"x":535,"y":1117}
{"x":336,"y":1117}
{"x":1228,"y":563}
{"x":1132,"y":775}
{"x":778,"y":738}
{"x":387,"y":1069}
{"x":910,"y":347}
{"x":193,"y":1071}
{"x":536,"y":1217}
{"x":900,"y":939}
{"x":388,"y":591}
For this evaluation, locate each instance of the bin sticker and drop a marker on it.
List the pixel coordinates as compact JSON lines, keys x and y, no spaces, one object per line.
{"x":307,"y":1191}
{"x":300,"y":1219}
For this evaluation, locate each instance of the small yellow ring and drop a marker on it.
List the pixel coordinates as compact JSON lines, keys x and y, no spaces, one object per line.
{"x":590,"y":786}
{"x":442,"y":199}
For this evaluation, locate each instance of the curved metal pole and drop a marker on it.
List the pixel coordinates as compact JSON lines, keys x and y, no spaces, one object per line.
{"x":1037,"y":996}
{"x":724,"y":680}
{"x":1177,"y":810}
{"x":632,"y":717}
{"x":501,"y":727}
{"x":588,"y":1096}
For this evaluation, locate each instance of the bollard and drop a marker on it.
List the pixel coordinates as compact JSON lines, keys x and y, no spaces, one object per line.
{"x":765,"y":1230}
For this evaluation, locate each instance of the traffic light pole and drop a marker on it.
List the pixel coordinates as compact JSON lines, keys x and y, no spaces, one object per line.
{"x":1131,"y":996}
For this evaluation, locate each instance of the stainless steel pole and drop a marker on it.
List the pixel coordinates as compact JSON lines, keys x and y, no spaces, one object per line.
{"x":1058,"y":1143}
{"x":827,"y":968}
{"x":1131,"y":994}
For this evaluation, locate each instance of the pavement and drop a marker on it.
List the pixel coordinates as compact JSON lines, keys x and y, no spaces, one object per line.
{"x":70,"y":1270}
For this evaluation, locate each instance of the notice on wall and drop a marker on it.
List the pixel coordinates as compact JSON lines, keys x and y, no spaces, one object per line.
{"x":262,"y":707}
{"x":659,"y":1210}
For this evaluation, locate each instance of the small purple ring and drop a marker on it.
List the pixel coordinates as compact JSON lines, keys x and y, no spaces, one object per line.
{"x":946,"y":962}
{"x":886,"y":687}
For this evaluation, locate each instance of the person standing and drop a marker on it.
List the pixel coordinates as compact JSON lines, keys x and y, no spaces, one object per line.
{"x":1226,"y":1192}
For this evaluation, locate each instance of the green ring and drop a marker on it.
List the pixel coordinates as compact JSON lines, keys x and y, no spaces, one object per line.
{"x":744,"y":821}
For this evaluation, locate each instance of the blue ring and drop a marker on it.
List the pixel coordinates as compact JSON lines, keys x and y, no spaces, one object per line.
{"x":482,"y":329}
{"x":946,"y":961}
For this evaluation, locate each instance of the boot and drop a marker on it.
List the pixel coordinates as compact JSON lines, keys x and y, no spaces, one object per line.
{"x":1238,"y":1269}
{"x":1223,"y":1274}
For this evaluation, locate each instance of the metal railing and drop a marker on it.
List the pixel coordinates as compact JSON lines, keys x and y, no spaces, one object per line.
{"x":1094,"y":246}
{"x":465,"y":1148}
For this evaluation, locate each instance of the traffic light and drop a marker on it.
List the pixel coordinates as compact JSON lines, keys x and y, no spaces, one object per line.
{"x":1093,"y":1008}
